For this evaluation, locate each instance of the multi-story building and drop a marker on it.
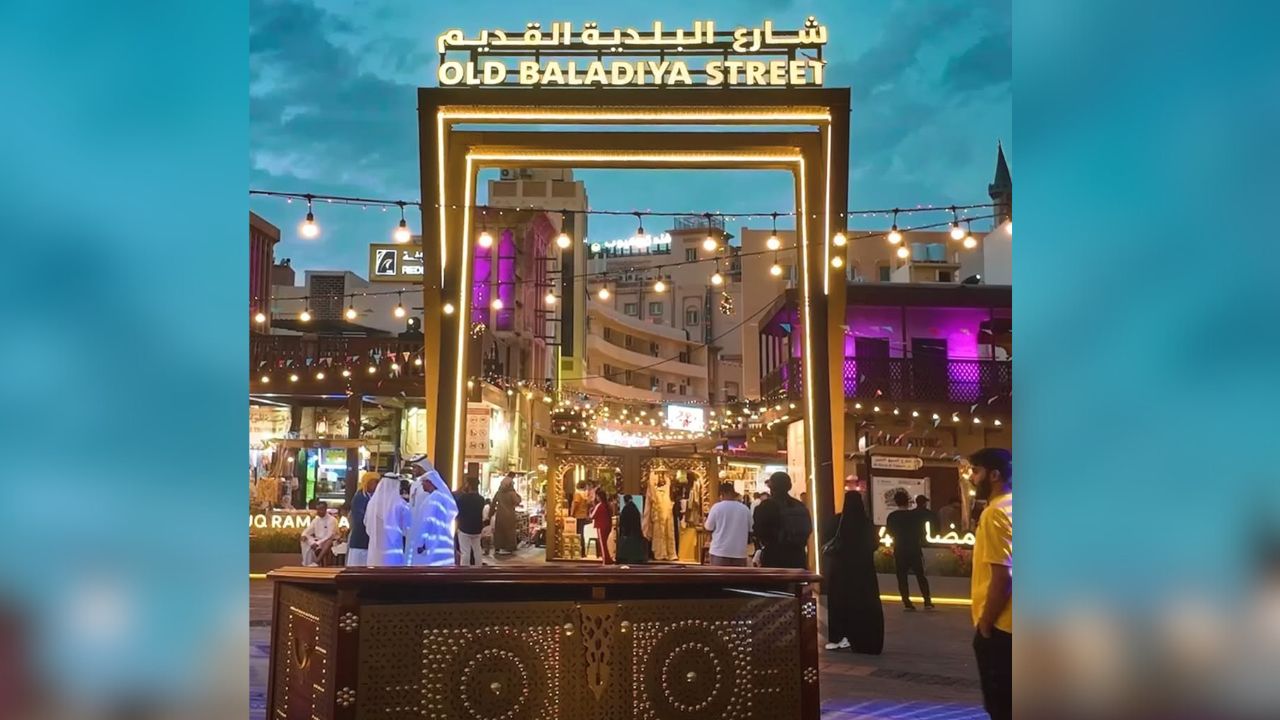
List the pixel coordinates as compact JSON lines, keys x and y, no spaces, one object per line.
{"x":640,"y":361}
{"x":688,"y":300}
{"x":263,"y":237}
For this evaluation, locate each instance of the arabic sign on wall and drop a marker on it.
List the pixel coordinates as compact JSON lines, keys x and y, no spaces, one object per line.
{"x":395,"y":263}
{"x":895,"y":462}
{"x":529,"y":52}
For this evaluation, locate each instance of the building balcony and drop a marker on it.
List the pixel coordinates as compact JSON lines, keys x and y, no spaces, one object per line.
{"x":601,"y":387}
{"x":921,"y":380}
{"x":279,"y":356}
{"x":630,"y":359}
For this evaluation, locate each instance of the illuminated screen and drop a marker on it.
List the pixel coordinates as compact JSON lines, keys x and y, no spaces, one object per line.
{"x":684,"y":417}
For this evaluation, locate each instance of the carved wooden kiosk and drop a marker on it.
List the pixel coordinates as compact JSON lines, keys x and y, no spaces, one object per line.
{"x":543,"y":642}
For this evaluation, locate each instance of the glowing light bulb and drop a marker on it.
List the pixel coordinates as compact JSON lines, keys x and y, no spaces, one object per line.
{"x":399,"y":311}
{"x":305,"y":316}
{"x":894,"y":236}
{"x":448,"y":308}
{"x":603,"y":294}
{"x":320,"y":375}
{"x":717,"y":279}
{"x":773,"y":243}
{"x":710,"y":244}
{"x":956,"y":231}
{"x":346,"y":373}
{"x":904,"y":252}
{"x":265,"y":379}
{"x":562,"y":241}
{"x":485,"y":239}
{"x":309,"y":229}
{"x":997,"y":423}
{"x":659,"y":286}
{"x":395,"y":367}
{"x":839,"y":240}
{"x":351,"y":313}
{"x":837,"y":262}
{"x":293,"y":378}
{"x":372,"y":369}
{"x":776,"y":270}
{"x":402,"y":234}
{"x":259,"y":318}
{"x":417,"y":362}
{"x":497,"y":303}
{"x":970,"y":242}
{"x":550,"y":298}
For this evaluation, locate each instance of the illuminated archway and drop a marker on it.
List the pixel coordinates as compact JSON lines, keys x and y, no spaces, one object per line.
{"x":815,"y":152}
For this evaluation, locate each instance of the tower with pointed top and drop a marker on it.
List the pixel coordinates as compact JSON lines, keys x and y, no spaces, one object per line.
{"x":1001,"y":189}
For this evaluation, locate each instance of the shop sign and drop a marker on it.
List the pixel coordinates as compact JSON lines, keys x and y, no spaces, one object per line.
{"x":617,"y":438}
{"x":395,"y":263}
{"x":287,"y":521}
{"x":950,"y":538}
{"x":895,"y":462}
{"x":477,"y":439}
{"x":536,"y":58}
{"x":880,"y":437}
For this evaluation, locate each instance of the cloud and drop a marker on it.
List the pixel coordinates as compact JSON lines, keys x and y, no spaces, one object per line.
{"x":987,"y":62}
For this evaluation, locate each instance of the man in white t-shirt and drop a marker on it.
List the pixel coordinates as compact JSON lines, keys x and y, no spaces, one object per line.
{"x":729,"y":522}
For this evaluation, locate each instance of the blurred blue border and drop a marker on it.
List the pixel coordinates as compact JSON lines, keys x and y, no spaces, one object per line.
{"x":124,"y":142}
{"x":1146,"y":302}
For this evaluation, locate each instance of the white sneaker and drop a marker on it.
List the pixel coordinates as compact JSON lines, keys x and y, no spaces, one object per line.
{"x":842,"y":645}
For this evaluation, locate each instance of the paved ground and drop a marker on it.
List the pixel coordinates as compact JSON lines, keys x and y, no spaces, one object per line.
{"x":925,"y":673}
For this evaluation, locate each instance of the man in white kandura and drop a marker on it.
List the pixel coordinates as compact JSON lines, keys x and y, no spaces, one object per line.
{"x":387,"y":519}
{"x":319,"y":536}
{"x":434,"y":513}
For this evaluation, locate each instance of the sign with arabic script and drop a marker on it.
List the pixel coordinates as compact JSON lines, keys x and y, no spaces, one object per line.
{"x":395,"y":263}
{"x":562,"y":56}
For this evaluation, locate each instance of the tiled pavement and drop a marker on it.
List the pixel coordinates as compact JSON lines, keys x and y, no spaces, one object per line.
{"x":925,"y":673}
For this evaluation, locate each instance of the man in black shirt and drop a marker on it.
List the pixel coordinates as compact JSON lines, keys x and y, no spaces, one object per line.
{"x":906,"y":527}
{"x":470,"y":523}
{"x":783,"y":526}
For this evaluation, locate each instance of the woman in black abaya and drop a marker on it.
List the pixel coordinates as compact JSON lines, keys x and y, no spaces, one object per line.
{"x":855,"y":619}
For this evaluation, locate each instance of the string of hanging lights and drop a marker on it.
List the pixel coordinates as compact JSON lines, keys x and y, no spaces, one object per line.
{"x":717,"y":278}
{"x":309,"y":228}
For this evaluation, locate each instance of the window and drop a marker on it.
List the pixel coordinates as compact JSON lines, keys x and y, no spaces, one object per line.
{"x":691,"y":316}
{"x":654,"y":384}
{"x":730,"y":392}
{"x":653,"y":349}
{"x":684,"y":356}
{"x":690,"y":255}
{"x":671,"y":388}
{"x":683,"y":389}
{"x":608,"y":334}
{"x":631,"y":308}
{"x":884,"y":273}
{"x":944,"y":276}
{"x":655,"y":308}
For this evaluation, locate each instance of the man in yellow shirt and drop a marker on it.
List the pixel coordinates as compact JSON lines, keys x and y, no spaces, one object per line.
{"x":992,"y":583}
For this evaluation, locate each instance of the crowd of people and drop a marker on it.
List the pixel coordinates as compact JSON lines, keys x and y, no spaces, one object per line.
{"x":399,"y":521}
{"x":855,"y":617}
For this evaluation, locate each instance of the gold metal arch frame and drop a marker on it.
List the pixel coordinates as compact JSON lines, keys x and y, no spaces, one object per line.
{"x":452,"y":159}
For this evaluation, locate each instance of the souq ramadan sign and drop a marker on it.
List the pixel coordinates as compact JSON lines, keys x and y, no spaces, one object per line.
{"x":626,"y":57}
